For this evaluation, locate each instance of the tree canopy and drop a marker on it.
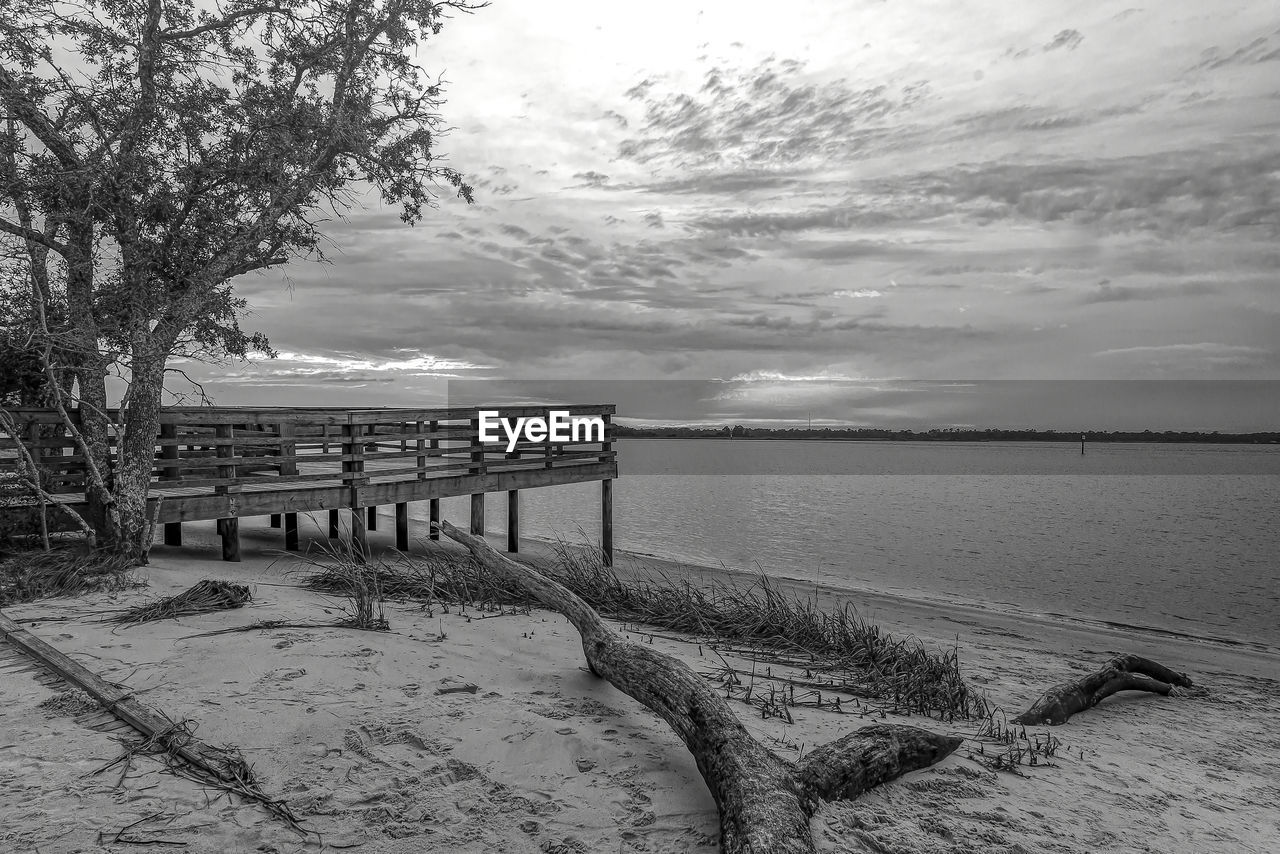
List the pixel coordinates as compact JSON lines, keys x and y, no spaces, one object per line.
{"x":151,"y":151}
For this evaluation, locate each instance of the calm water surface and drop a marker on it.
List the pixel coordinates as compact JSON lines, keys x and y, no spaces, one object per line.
{"x":1180,"y":538}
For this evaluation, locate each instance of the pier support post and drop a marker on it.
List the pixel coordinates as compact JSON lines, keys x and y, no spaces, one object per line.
{"x":333,"y":524}
{"x":288,"y":454}
{"x":353,"y":474}
{"x":373,"y":517}
{"x":435,"y":519}
{"x":606,"y":521}
{"x":477,"y":468}
{"x":402,"y":526}
{"x":172,"y":530}
{"x":229,"y":530}
{"x":513,"y":520}
{"x":359,"y":542}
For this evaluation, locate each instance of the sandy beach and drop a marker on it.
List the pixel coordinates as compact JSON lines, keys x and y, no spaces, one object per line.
{"x":360,"y":733}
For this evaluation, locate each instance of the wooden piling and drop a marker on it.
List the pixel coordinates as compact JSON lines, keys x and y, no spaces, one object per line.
{"x":229,"y":531}
{"x":606,"y":521}
{"x":169,"y":451}
{"x":353,"y":473}
{"x":359,"y":542}
{"x":434,"y":533}
{"x":513,"y":520}
{"x":229,"y":527}
{"x":606,"y":497}
{"x":402,"y":526}
{"x":477,"y":468}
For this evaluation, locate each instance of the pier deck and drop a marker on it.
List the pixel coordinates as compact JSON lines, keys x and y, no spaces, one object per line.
{"x":226,"y":463}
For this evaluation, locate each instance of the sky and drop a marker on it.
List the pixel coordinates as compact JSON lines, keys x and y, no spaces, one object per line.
{"x":795,"y":200}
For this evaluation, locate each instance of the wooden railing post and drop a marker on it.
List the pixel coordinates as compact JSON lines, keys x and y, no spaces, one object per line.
{"x":353,"y":470}
{"x":169,"y":452}
{"x":606,"y":495}
{"x":228,"y":526}
{"x":549,"y":450}
{"x":289,"y":466}
{"x":606,"y":521}
{"x":477,"y":468}
{"x":371,"y":430}
{"x":434,"y":533}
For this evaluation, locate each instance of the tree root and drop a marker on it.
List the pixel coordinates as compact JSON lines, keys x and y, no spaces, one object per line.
{"x":765,"y":802}
{"x":1122,"y":673}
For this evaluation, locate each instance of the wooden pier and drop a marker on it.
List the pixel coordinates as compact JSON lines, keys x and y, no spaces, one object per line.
{"x":227,"y":463}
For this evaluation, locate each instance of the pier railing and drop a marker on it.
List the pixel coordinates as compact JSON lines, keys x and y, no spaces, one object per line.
{"x":224,"y":463}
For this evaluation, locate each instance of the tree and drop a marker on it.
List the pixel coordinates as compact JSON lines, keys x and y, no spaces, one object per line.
{"x":152,"y":151}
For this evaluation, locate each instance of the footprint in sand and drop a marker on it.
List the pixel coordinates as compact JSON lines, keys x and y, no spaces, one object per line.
{"x":283,"y":674}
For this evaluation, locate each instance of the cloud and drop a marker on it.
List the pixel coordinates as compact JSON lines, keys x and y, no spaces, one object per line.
{"x":1199,"y":357}
{"x":1265,"y":48}
{"x":770,"y":113}
{"x":1107,"y":292}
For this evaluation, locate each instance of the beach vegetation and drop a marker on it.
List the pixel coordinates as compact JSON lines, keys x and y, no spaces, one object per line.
{"x":838,"y":648}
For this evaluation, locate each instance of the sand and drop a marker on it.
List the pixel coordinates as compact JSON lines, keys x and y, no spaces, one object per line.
{"x":351,"y":728}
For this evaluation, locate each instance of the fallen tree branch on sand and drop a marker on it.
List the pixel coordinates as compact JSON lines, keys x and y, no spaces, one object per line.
{"x":765,"y":802}
{"x":1122,"y":673}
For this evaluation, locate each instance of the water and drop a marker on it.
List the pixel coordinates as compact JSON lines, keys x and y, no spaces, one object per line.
{"x":1181,"y":538}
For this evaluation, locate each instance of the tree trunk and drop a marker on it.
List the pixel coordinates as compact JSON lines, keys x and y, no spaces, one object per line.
{"x":765,"y":802}
{"x":136,"y":454}
{"x":1122,"y":673}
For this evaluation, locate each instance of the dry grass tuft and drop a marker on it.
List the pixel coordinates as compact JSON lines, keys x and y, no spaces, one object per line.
{"x":349,"y":574}
{"x":1004,"y":746}
{"x":203,"y":597}
{"x":67,"y":570}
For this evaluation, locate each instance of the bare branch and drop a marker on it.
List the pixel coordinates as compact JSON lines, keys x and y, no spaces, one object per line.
{"x":31,"y":235}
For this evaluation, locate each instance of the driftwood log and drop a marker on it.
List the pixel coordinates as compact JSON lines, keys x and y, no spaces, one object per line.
{"x":1122,"y":673}
{"x":765,"y":801}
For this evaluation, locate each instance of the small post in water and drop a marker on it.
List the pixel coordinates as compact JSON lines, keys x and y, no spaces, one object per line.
{"x":1082,"y":444}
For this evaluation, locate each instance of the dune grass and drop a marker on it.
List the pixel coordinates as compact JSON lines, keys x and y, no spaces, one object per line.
{"x":68,"y":569}
{"x":756,"y":619}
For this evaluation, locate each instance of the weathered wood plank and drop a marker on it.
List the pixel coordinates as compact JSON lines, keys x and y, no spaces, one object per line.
{"x":116,"y":700}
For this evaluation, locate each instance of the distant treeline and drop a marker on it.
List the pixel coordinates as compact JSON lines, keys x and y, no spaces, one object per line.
{"x":951,"y":434}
